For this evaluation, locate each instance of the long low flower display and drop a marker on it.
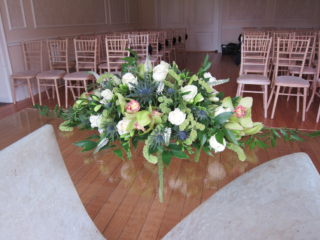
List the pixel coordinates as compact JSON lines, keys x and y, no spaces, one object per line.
{"x":171,"y":111}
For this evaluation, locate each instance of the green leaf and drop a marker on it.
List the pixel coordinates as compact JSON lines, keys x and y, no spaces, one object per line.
{"x":179,"y":154}
{"x":219,"y":136}
{"x":95,"y":136}
{"x":203,"y":139}
{"x":229,"y":134}
{"x":285,"y":135}
{"x":273,"y":142}
{"x":56,"y":110}
{"x":262,"y":144}
{"x":152,"y":150}
{"x":166,"y":158}
{"x":296,"y":137}
{"x":252,"y":145}
{"x":314,"y":134}
{"x":249,"y":141}
{"x":160,"y":148}
{"x":133,"y":52}
{"x":119,"y":153}
{"x":82,"y":143}
{"x":135,"y":142}
{"x":174,"y":147}
{"x":222,"y":118}
{"x":130,"y":60}
{"x":220,"y":95}
{"x":89,"y":146}
{"x":207,"y":151}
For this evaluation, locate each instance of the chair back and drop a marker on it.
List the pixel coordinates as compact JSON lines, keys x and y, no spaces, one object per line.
{"x":32,"y":52}
{"x":154,"y":41}
{"x":139,"y":44}
{"x":94,"y":37}
{"x":116,"y":49}
{"x":284,"y":34}
{"x":311,"y":49}
{"x":291,"y":53}
{"x":58,"y":53}
{"x":255,"y":52}
{"x":86,"y":54}
{"x":162,"y":36}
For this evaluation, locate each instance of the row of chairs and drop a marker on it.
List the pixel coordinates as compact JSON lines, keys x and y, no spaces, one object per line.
{"x":88,"y":56}
{"x":288,"y":59}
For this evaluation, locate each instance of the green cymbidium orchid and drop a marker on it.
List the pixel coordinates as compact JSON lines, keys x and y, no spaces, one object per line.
{"x":241,"y":122}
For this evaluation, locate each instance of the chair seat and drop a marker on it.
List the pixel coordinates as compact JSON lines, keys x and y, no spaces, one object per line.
{"x":79,"y":76}
{"x":253,"y":79}
{"x":53,"y":74}
{"x":290,"y":81}
{"x":306,"y":70}
{"x":315,"y":62}
{"x":254,"y":68}
{"x":112,"y":65}
{"x":63,"y":65}
{"x":25,"y":74}
{"x":86,"y":65}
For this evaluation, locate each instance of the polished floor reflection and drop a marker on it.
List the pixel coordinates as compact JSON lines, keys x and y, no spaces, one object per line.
{"x":121,"y":197}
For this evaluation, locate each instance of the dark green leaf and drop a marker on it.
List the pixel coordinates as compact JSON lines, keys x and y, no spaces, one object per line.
{"x":179,"y":154}
{"x":222,"y":118}
{"x":219,"y":136}
{"x":220,"y":95}
{"x":135,"y":141}
{"x":160,"y":148}
{"x":285,"y":135}
{"x":314,"y":134}
{"x":262,"y":144}
{"x":203,"y":139}
{"x":252,"y":145}
{"x":174,"y":147}
{"x":82,"y":143}
{"x":273,"y":142}
{"x":56,"y":110}
{"x":95,"y":136}
{"x":296,"y":137}
{"x":107,"y":147}
{"x":119,"y":153}
{"x":275,"y":133}
{"x":166,"y":158}
{"x":152,"y":150}
{"x":130,"y":60}
{"x":89,"y":146}
{"x":207,"y":151}
{"x":231,"y":137}
{"x":249,"y":141}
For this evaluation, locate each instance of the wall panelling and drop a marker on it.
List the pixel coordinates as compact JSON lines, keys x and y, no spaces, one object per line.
{"x":295,"y":9}
{"x":58,"y":13}
{"x":134,"y":11}
{"x":117,"y":11}
{"x":247,"y":10}
{"x":15,"y":13}
{"x":203,"y":12}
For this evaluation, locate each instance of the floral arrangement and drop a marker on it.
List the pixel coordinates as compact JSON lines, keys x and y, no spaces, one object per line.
{"x":169,"y":110}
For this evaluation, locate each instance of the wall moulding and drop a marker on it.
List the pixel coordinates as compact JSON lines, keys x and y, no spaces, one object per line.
{"x":203,"y":12}
{"x":15,"y":14}
{"x":60,"y":13}
{"x":134,"y":11}
{"x":117,"y":11}
{"x":293,"y":10}
{"x":247,"y":10}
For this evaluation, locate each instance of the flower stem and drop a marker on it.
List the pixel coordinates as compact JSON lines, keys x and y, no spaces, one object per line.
{"x":197,"y":156}
{"x":160,"y":171}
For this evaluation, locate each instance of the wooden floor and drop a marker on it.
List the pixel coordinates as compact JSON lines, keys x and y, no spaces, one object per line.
{"x":121,"y":197}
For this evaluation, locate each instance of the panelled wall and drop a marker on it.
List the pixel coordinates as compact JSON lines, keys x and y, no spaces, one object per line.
{"x":264,"y":13}
{"x":45,"y":19}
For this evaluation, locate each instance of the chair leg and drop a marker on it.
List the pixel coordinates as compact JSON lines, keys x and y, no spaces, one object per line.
{"x":318,"y":115}
{"x":53,"y":89}
{"x":289,"y":92}
{"x":57,"y":91}
{"x":305,"y":90}
{"x":66,"y":92}
{"x":312,"y":97}
{"x":39,"y":90}
{"x":271,"y":94}
{"x":265,"y":101}
{"x":242,"y":89}
{"x":239,"y":89}
{"x":46,"y":89}
{"x":13,"y":91}
{"x":275,"y":102}
{"x":30,"y":90}
{"x":298,"y":99}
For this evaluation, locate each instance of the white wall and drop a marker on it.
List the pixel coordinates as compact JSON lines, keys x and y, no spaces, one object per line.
{"x":267,"y":13}
{"x":42,"y":19}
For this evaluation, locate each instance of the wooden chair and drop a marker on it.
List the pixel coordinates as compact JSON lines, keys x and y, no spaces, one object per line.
{"x":290,"y":53}
{"x":165,"y":53}
{"x":58,"y":52}
{"x":116,"y":50}
{"x":86,"y":59}
{"x":98,"y":45}
{"x":139,"y":44}
{"x":180,"y":46}
{"x":171,"y":44}
{"x":154,"y":41}
{"x":316,"y":85}
{"x":255,"y":53}
{"x":32,"y":52}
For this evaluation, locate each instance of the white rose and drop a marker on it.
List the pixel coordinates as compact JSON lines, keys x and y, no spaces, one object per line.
{"x":219,"y":110}
{"x":116,"y":79}
{"x":122,"y":126}
{"x":177,"y":117}
{"x":218,"y":147}
{"x":207,"y":75}
{"x":213,"y":97}
{"x":167,"y":65}
{"x":107,"y":94}
{"x":95,"y":121}
{"x":193,"y":92}
{"x":129,"y":78}
{"x":160,"y":73}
